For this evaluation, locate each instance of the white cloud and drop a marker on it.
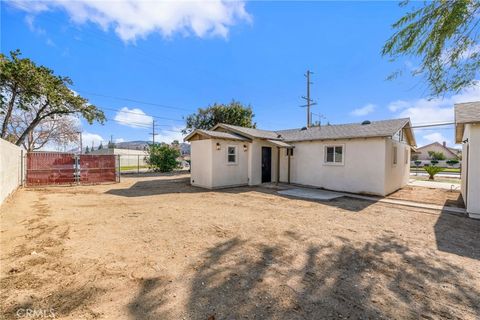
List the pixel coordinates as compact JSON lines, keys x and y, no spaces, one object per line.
{"x":89,"y":139}
{"x":30,"y":21}
{"x":363,"y":111}
{"x":436,"y":137}
{"x":169,"y":135}
{"x":133,"y":19}
{"x":134,"y":118}
{"x":398,"y":105}
{"x":433,"y":110}
{"x":119,"y":140}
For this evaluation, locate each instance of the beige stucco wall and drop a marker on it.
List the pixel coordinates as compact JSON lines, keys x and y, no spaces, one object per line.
{"x":396,"y":175}
{"x":209,"y":166}
{"x":10,"y":168}
{"x":201,"y":163}
{"x":471,"y":170}
{"x":226,"y":174}
{"x":363,"y":170}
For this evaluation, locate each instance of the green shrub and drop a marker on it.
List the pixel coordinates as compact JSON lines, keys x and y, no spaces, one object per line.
{"x":162,"y":157}
{"x":417,"y":162}
{"x":432,"y":171}
{"x":452,"y":162}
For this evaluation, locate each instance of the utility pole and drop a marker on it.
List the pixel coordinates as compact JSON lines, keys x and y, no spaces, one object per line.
{"x":153,"y":132}
{"x":310,"y":102}
{"x":81,"y":142}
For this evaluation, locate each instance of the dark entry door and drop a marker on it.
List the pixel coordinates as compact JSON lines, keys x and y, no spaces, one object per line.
{"x":266,"y":164}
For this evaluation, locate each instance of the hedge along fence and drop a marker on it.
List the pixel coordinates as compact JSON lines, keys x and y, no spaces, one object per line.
{"x":12,"y":168}
{"x":441,"y":163}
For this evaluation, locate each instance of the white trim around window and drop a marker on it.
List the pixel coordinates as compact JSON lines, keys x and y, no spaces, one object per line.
{"x":232,"y":155}
{"x":334,"y":155}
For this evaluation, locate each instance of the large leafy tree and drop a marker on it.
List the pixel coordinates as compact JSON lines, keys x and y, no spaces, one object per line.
{"x":26,"y":87}
{"x":233,"y":113}
{"x":444,"y":36}
{"x":162,"y":157}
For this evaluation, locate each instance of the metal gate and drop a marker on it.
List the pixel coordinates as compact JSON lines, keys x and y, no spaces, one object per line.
{"x":53,"y":168}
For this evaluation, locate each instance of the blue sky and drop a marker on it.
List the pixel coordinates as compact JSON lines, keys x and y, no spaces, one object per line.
{"x":179,"y":56}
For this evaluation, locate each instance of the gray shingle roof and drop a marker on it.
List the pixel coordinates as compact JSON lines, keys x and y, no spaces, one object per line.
{"x":216,"y":134}
{"x":250,"y":132}
{"x":468,"y":112}
{"x":384,"y":128}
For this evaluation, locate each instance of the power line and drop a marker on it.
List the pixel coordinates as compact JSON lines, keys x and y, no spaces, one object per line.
{"x":143,"y":114}
{"x":143,"y":125}
{"x":135,"y":100}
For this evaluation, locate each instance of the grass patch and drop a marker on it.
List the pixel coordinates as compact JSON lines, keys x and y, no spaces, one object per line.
{"x":129,"y":168}
{"x":421,"y":169}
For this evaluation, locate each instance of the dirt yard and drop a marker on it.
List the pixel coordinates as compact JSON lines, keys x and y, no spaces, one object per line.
{"x":157,"y":248}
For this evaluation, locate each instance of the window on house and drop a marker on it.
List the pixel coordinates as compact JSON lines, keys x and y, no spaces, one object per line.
{"x":394,"y":155}
{"x":334,"y":154}
{"x":232,"y":154}
{"x":289,"y":152}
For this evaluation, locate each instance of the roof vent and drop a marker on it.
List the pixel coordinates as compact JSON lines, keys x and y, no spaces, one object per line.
{"x":366,"y":122}
{"x":304,"y":128}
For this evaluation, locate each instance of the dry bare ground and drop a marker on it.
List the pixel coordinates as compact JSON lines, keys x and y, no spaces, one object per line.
{"x":157,"y":248}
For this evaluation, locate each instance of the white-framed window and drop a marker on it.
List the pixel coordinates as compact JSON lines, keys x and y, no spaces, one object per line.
{"x":395,"y":156}
{"x":406,"y":156}
{"x":289,"y":151}
{"x":334,"y":154}
{"x":231,"y":154}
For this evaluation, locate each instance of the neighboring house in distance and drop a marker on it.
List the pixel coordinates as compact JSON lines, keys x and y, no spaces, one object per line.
{"x":369,"y":157}
{"x":467,"y":132}
{"x":450,"y":153}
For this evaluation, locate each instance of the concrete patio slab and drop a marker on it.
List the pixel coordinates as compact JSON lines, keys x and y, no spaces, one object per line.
{"x":316,"y":194}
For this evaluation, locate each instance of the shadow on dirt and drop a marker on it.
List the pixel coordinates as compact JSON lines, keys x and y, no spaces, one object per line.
{"x":458,"y":234}
{"x":182,"y":185}
{"x":380,"y":279}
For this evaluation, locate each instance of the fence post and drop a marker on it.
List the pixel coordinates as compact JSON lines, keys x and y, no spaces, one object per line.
{"x":76,"y":160}
{"x":21,"y":167}
{"x":118,"y":167}
{"x":138,"y":163}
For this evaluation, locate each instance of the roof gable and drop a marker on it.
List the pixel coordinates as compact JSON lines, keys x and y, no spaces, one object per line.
{"x":468,"y":112}
{"x":451,"y":151}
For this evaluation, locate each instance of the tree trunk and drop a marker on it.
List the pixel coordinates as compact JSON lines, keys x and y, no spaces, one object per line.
{"x":32,"y":125}
{"x":9,"y":112}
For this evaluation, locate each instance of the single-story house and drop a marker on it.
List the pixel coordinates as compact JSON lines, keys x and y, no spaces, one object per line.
{"x":372,"y":157}
{"x":421,"y":153}
{"x":467,"y":132}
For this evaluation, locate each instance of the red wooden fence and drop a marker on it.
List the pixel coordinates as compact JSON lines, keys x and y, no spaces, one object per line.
{"x":52,"y":168}
{"x":97,"y":168}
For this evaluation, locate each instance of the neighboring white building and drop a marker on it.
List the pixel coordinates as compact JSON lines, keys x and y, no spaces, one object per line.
{"x":371,"y":157}
{"x":128,"y":157}
{"x":421,"y":153}
{"x":467,"y":132}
